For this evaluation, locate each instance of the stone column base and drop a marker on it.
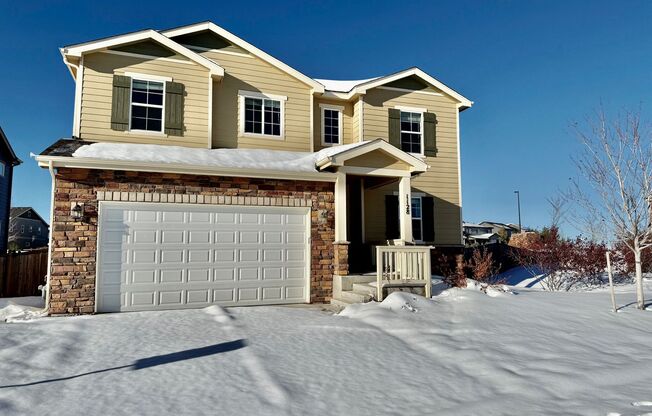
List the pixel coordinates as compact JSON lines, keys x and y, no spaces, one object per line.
{"x":341,"y":258}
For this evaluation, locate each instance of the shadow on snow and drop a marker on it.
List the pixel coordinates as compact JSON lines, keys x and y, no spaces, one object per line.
{"x":151,"y":361}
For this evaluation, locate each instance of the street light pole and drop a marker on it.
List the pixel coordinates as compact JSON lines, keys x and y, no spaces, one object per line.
{"x":518,"y":203}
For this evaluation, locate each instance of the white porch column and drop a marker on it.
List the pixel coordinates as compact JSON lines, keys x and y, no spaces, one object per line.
{"x":340,"y":208}
{"x":405,"y":208}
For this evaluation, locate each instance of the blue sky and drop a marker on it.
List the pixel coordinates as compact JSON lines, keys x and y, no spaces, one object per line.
{"x":531,"y":67}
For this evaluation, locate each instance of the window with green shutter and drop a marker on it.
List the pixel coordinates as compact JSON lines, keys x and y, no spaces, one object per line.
{"x":147,"y":105}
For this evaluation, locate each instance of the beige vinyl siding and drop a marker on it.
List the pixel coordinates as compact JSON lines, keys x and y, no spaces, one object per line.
{"x":442,"y":179}
{"x":253,"y":74}
{"x":377,"y":160}
{"x":355,"y":121}
{"x":97,"y":88}
{"x":347,"y":119}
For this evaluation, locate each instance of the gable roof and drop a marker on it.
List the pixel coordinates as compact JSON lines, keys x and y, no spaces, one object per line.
{"x":361,"y":86}
{"x":5,"y":142}
{"x":210,"y":26}
{"x":337,"y":155}
{"x":148,"y":34}
{"x":15,"y":212}
{"x":336,"y":85}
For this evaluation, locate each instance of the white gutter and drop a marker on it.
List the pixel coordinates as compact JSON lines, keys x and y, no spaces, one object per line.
{"x":49,"y":275}
{"x":92,"y":163}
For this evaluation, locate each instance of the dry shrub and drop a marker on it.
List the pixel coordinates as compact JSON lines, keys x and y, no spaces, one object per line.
{"x":565,"y":262}
{"x":524,"y":240}
{"x":482,"y":266}
{"x":453,"y":273}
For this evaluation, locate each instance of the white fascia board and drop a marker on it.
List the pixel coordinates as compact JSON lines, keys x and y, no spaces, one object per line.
{"x":362,"y":88}
{"x":319,"y":88}
{"x":92,"y":163}
{"x":78,"y":50}
{"x":339,"y":158}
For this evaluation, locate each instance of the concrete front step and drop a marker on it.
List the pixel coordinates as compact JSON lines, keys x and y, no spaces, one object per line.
{"x":364,"y":288}
{"x":346,"y":298}
{"x":354,"y":297}
{"x":337,"y":302}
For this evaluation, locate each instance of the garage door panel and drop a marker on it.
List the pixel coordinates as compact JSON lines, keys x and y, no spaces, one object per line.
{"x":272,"y":293}
{"x":172,"y":297}
{"x":224,"y":295}
{"x":247,"y":294}
{"x":171,"y":276}
{"x":225,"y":237}
{"x":173,"y":237}
{"x":197,"y":296}
{"x":199,"y":237}
{"x":144,"y":217}
{"x":172,"y":217}
{"x":224,"y":274}
{"x":156,"y":256}
{"x":249,"y":237}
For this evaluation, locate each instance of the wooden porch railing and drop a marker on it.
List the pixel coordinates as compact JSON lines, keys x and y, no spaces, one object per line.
{"x":402,"y":265}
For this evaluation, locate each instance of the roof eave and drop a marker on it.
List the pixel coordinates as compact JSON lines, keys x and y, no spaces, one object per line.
{"x":103,"y":44}
{"x":138,"y":166}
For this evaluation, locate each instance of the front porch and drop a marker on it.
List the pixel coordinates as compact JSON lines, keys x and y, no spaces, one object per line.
{"x":375,"y":251}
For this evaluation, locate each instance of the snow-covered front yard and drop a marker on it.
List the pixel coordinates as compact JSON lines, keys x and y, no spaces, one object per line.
{"x":462,"y":353}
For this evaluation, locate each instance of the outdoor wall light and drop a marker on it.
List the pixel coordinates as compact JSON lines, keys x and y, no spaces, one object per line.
{"x":77,"y":212}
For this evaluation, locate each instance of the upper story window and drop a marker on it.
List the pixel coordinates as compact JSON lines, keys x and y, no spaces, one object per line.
{"x":331,"y":125}
{"x":147,"y":105}
{"x":412,"y":131}
{"x":2,"y":169}
{"x":261,"y":114}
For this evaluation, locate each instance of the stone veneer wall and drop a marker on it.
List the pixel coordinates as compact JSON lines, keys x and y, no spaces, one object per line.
{"x":75,"y":242}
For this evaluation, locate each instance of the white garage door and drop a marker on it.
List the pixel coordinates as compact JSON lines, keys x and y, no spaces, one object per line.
{"x":171,"y":256}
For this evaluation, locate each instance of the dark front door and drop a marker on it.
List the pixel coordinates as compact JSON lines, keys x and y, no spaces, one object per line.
{"x":359,"y":253}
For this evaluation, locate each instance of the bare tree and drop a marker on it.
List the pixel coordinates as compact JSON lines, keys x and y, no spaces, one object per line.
{"x":557,"y":209}
{"x":614,"y":195}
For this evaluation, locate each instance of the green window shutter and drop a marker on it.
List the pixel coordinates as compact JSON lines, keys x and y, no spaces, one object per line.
{"x":120,"y":103}
{"x":428,"y":218}
{"x":391,"y":217}
{"x":430,"y":134}
{"x":395,"y":127}
{"x":174,"y":93}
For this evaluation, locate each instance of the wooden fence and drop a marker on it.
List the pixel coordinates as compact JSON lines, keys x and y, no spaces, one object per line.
{"x":22,"y":273}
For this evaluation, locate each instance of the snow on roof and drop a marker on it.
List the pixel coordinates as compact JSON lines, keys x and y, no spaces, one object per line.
{"x":263,"y":159}
{"x":470,"y":224}
{"x":342,"y":85}
{"x":482,"y":236}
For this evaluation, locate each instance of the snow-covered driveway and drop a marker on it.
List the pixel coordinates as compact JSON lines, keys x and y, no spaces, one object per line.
{"x":462,"y":353}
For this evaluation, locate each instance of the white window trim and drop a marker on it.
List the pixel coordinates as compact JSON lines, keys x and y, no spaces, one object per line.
{"x":3,"y":169}
{"x":421,"y":111}
{"x":148,"y":77}
{"x":339,"y":110}
{"x":241,"y":110}
{"x":153,"y":78}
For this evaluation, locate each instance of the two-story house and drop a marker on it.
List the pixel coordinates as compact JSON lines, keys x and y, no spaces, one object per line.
{"x":478,"y":234}
{"x":27,"y":229}
{"x":8,"y":160}
{"x":203,"y":170}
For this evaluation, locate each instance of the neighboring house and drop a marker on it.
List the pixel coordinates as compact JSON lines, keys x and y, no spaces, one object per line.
{"x":501,"y":229}
{"x":27,"y":229}
{"x":8,"y":160}
{"x":479,"y":234}
{"x":203,"y":170}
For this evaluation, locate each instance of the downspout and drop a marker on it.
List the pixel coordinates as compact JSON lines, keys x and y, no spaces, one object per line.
{"x":49,"y":275}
